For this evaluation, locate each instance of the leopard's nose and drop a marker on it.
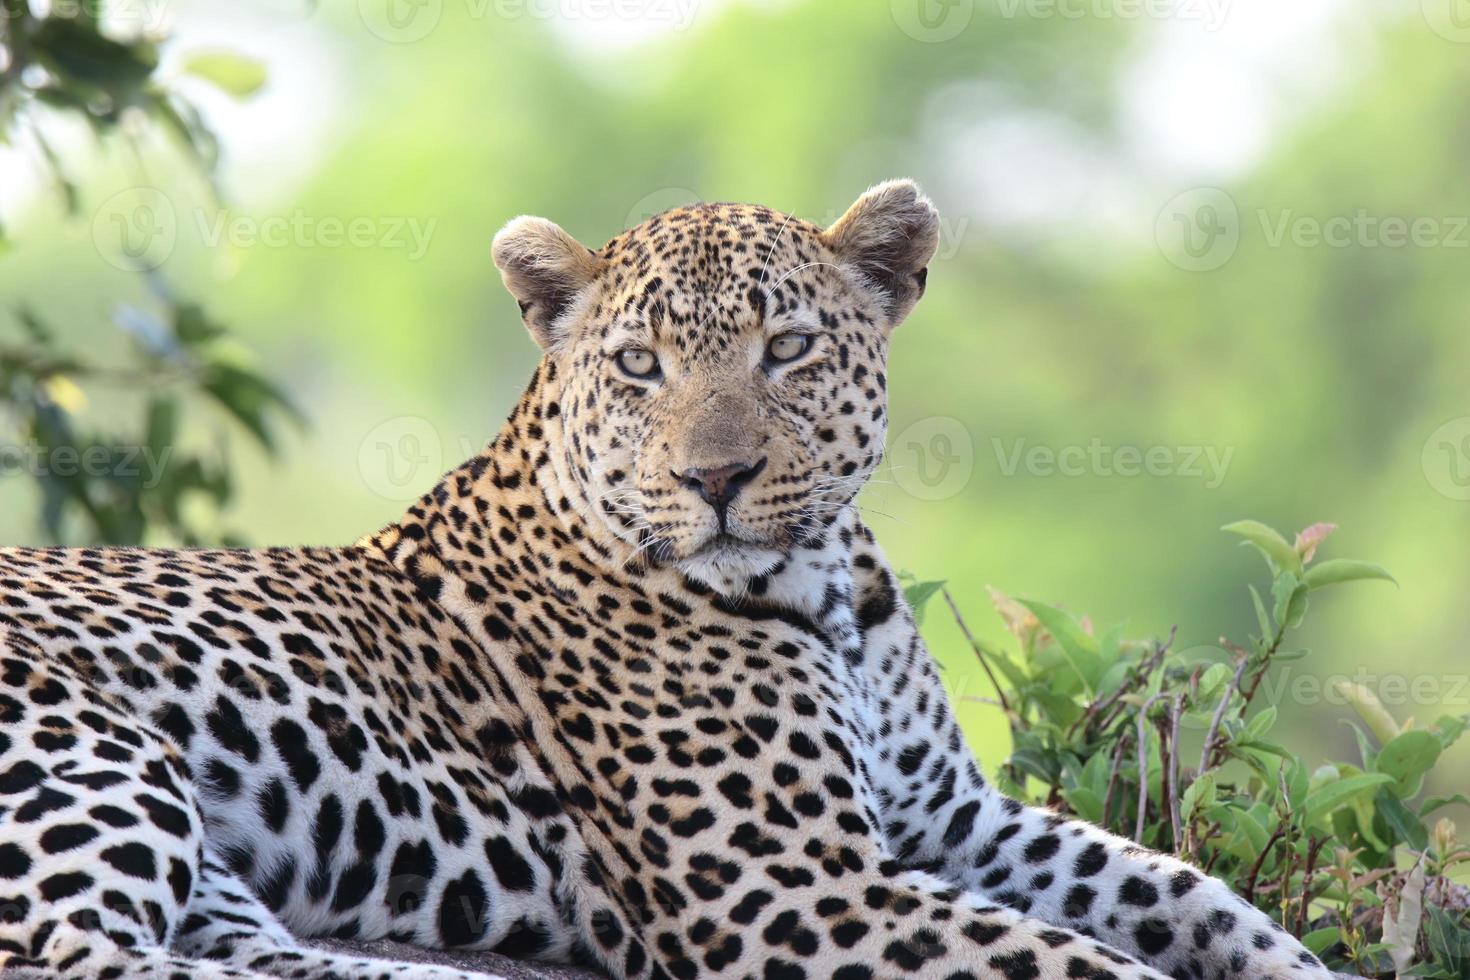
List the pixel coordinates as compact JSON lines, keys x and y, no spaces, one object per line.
{"x":719,"y":485}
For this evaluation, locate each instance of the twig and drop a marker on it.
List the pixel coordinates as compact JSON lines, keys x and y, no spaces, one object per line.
{"x":1117,"y":771}
{"x":1249,"y":891}
{"x":1143,"y":767}
{"x":1208,"y":753}
{"x":1286,"y":826}
{"x":1140,"y":671}
{"x":1198,"y":846}
{"x":979,"y":651}
{"x":1266,"y":657}
{"x":1174,"y":794}
{"x":1313,"y":848}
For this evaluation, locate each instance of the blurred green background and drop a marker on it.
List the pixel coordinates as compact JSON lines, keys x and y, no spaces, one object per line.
{"x":1211,"y":256}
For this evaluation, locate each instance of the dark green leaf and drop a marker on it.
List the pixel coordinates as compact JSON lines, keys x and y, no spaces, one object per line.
{"x":250,"y":399}
{"x":1408,"y":827}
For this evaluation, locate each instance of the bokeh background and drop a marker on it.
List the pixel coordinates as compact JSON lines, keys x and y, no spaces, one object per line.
{"x":1201,"y":260}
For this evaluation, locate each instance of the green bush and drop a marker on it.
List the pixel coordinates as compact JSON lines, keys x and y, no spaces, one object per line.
{"x":128,"y":480}
{"x":1169,"y":748}
{"x":132,"y":480}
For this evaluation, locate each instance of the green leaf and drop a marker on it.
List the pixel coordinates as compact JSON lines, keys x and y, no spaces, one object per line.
{"x":1199,"y":793}
{"x":1036,"y":762}
{"x":1262,"y":620}
{"x":1438,"y":802}
{"x":1085,"y":803}
{"x":232,"y":73}
{"x":1329,"y":796}
{"x":1260,"y":724}
{"x":1338,"y":570}
{"x":1298,"y":780}
{"x":1290,"y":594}
{"x":1363,"y":815}
{"x":77,"y":52}
{"x":35,"y":328}
{"x":1450,"y":728}
{"x":1113,"y":678}
{"x":1014,"y":674}
{"x":1253,"y":829}
{"x":1321,"y":940}
{"x":249,"y":398}
{"x":1296,"y":609}
{"x":1266,"y":747}
{"x":193,"y":328}
{"x":1080,"y":648}
{"x":1365,"y":745}
{"x":1409,"y":828}
{"x":1407,"y":757}
{"x":161,"y":430}
{"x":1281,"y":555}
{"x":1369,"y":708}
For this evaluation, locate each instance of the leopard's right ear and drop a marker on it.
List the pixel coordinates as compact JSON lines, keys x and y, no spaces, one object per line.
{"x":545,"y":269}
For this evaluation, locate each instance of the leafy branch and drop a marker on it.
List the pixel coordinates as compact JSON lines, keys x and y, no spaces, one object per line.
{"x":1341,"y":855}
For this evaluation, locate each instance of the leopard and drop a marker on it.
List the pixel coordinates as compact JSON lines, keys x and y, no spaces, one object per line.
{"x":634,"y":687}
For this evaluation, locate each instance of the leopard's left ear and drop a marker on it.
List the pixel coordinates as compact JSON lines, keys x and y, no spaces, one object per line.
{"x":545,"y":269}
{"x":888,"y":238}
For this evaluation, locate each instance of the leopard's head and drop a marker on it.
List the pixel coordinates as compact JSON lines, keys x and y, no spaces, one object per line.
{"x":720,"y":368}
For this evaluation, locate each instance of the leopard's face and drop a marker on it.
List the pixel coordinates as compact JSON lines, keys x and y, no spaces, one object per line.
{"x":721,"y":369}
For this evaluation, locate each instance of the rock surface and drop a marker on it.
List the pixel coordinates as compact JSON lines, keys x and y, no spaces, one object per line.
{"x":475,"y":962}
{"x":491,"y":963}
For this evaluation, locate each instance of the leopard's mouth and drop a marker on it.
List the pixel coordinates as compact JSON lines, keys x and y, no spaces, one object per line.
{"x":726,"y":562}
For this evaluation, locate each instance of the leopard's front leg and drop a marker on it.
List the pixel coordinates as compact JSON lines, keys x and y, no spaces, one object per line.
{"x":941,"y":815}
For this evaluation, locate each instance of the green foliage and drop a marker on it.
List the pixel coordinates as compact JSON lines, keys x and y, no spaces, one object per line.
{"x":66,"y":62}
{"x":1340,"y":853}
{"x":129,"y":484}
{"x":119,"y":483}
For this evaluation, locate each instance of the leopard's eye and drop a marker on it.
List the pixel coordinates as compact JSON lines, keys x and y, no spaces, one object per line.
{"x":638,"y":363}
{"x":788,"y":347}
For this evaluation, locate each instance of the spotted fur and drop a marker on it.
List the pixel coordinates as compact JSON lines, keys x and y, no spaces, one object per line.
{"x":570,"y":707}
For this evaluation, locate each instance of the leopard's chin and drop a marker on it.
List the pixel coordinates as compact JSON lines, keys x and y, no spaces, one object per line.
{"x":728,"y":564}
